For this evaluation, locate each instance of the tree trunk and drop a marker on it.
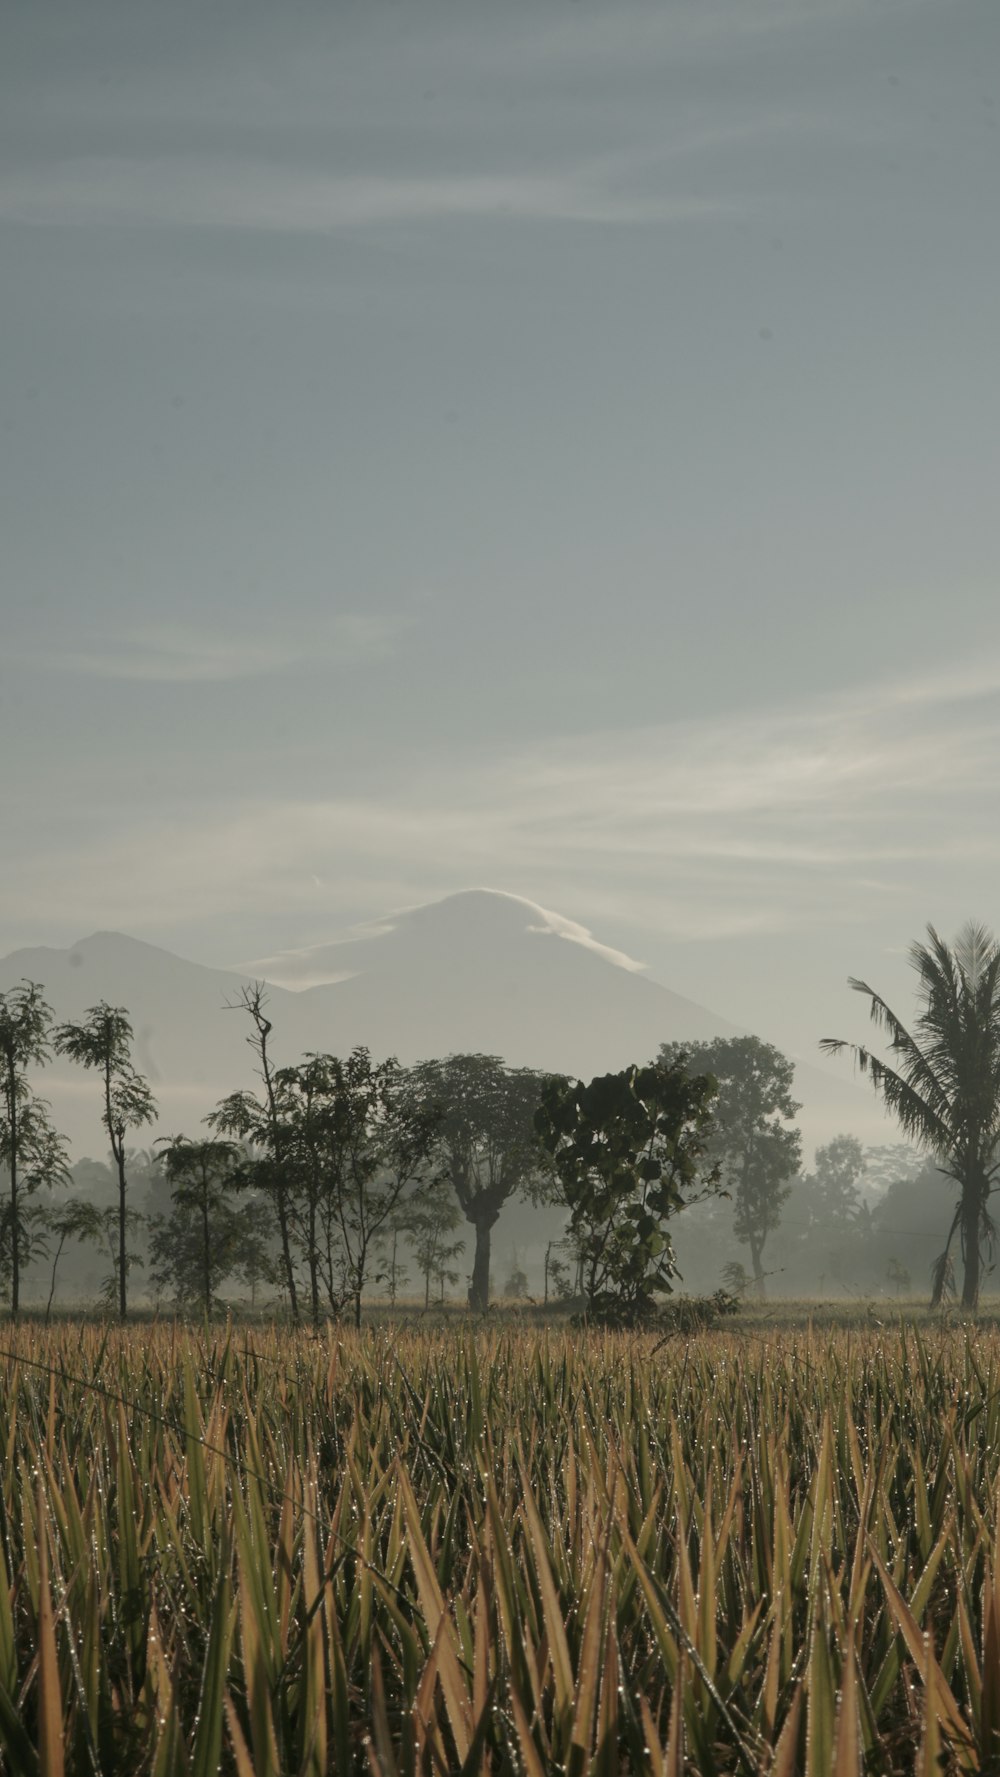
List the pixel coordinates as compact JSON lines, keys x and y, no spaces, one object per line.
{"x":263,"y":1028}
{"x":116,"y":1136}
{"x":757,"y":1261}
{"x":206,"y":1236}
{"x":15,"y":1254}
{"x":970,"y":1243}
{"x":479,"y":1289}
{"x":52,"y":1286}
{"x":286,"y":1252}
{"x":122,"y":1257}
{"x":313,"y":1263}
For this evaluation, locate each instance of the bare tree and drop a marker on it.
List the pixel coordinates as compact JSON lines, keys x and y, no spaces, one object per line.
{"x":260,"y":1122}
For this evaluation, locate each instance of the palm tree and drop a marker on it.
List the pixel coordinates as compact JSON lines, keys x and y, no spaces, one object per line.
{"x":945,"y":1087}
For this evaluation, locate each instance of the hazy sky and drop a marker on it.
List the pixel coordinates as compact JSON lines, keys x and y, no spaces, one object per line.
{"x":553,"y":446}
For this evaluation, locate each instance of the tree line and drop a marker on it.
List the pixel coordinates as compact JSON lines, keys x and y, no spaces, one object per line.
{"x":311,"y":1179}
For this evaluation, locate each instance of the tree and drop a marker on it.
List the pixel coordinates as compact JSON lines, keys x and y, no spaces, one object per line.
{"x":897,"y":1274}
{"x":944,"y":1084}
{"x":307,"y":1113}
{"x":555,"y":1273}
{"x":394,"y":1273}
{"x":625,"y":1149}
{"x":516,"y":1282}
{"x":736,"y":1278}
{"x":486,"y":1144}
{"x":755,"y":1153}
{"x":30,"y":1149}
{"x":75,"y":1220}
{"x":834,"y":1182}
{"x":258,"y":1123}
{"x":104,"y":1042}
{"x":430,"y":1219}
{"x":382,"y":1133}
{"x":198,"y":1245}
{"x":91,"y":1225}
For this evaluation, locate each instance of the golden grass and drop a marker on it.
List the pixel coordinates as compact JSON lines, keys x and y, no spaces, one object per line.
{"x":518,"y":1552}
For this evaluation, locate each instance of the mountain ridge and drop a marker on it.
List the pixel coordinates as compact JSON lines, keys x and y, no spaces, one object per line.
{"x":480,"y":971}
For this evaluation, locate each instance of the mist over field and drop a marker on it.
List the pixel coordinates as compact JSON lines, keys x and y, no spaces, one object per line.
{"x":490,"y":974}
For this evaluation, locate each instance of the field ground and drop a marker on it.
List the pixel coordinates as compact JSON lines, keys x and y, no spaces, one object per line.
{"x":528,"y":1314}
{"x":767,"y":1548}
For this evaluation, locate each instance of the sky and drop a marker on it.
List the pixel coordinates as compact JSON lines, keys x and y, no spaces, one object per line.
{"x":549,"y":446}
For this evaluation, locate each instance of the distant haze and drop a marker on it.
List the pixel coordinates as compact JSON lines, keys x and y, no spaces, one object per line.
{"x":477,"y":971}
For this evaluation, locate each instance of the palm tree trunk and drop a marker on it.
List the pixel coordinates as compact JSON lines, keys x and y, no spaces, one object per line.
{"x":971,"y":1210}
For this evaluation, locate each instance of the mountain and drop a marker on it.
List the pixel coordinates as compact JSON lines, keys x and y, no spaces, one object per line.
{"x":188,"y":1045}
{"x":492,"y":972}
{"x":476,"y":971}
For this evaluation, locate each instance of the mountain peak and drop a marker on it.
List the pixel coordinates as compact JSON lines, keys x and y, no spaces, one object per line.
{"x":495,"y":916}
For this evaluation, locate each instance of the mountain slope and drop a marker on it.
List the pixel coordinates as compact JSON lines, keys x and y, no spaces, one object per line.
{"x":482,"y":971}
{"x":476,"y":971}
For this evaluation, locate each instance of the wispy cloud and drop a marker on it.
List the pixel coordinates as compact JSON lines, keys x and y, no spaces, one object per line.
{"x":763,"y":822}
{"x":199,"y":192}
{"x":197,"y":654}
{"x":327,"y":963}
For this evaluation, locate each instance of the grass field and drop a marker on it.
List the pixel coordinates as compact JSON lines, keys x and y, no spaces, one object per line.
{"x":758,"y":1550}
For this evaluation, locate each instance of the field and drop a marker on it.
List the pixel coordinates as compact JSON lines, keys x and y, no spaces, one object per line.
{"x":757,"y":1550}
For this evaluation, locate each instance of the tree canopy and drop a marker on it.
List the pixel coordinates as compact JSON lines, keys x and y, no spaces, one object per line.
{"x":625,"y":1149}
{"x":756,"y":1152}
{"x":485,"y":1146}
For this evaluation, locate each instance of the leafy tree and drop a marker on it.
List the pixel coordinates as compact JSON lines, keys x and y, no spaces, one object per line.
{"x":486,"y":1143}
{"x":31,"y":1151}
{"x":76,"y":1220}
{"x":888,"y":1162}
{"x":394,"y":1273}
{"x":625,"y":1149}
{"x":198,"y":1245}
{"x":755,"y":1152}
{"x":839,"y":1165}
{"x":104,"y":1042}
{"x":383,"y":1132}
{"x":897,"y":1274}
{"x":944,"y":1086}
{"x":516,"y":1284}
{"x":309,"y":1118}
{"x":256,"y":1260}
{"x":556,"y":1274}
{"x":736,"y":1278}
{"x":95,"y":1180}
{"x":258,"y":1123}
{"x":431,"y":1218}
{"x":100,"y":1228}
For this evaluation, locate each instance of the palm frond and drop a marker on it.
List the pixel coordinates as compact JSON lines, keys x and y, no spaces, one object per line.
{"x":923,"y":1122}
{"x":975,"y":950}
{"x":917,"y":1067}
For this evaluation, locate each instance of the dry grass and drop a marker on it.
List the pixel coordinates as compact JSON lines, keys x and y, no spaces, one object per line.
{"x":509,"y":1553}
